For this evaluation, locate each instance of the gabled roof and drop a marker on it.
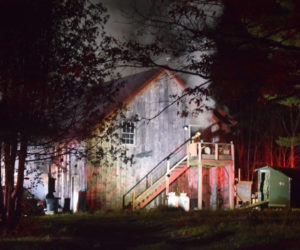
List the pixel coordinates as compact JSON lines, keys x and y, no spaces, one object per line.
{"x":293,"y":173}
{"x":133,"y":85}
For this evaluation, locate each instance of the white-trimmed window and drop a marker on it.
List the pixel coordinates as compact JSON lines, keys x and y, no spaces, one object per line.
{"x":128,"y":133}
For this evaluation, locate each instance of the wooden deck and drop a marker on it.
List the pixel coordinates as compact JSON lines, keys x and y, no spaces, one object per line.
{"x":200,"y":155}
{"x":210,"y":163}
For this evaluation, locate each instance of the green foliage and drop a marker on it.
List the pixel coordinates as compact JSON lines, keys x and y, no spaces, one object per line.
{"x":288,"y":141}
{"x":255,"y":73}
{"x":291,"y":102}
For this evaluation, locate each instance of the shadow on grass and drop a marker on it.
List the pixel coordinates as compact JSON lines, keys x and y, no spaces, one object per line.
{"x":158,"y":229}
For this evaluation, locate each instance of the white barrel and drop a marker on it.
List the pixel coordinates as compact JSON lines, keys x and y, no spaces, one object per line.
{"x":172,"y":200}
{"x":184,"y":202}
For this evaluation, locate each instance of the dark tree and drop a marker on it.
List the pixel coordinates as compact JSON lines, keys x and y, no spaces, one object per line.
{"x":257,"y":57}
{"x":246,"y":50}
{"x":54,"y":59}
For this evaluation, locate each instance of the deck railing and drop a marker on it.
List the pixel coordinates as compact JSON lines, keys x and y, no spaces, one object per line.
{"x":212,"y":151}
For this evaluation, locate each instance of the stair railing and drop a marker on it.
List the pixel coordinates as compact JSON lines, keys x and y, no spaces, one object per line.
{"x":159,"y":170}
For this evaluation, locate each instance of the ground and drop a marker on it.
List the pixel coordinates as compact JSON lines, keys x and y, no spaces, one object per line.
{"x":160,"y":229}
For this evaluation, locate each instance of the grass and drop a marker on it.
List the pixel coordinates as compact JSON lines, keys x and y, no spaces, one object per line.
{"x":160,"y":229}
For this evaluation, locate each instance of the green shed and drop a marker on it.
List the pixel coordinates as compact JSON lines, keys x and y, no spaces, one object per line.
{"x":278,"y":186}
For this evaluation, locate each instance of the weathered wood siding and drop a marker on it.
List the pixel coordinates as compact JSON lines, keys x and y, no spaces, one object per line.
{"x":215,"y":189}
{"x":69,"y":173}
{"x":154,"y":140}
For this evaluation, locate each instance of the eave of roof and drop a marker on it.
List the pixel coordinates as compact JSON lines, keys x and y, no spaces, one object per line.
{"x":157,"y":74}
{"x":150,"y":82}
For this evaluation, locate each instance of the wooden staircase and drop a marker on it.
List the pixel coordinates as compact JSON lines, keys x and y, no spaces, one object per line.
{"x":158,"y":179}
{"x":160,"y":185}
{"x":174,"y":165}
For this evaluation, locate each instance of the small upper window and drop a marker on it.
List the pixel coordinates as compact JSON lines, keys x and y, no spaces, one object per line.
{"x":128,"y":133}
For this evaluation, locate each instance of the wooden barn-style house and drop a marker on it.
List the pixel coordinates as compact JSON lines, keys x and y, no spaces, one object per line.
{"x":155,"y":154}
{"x":167,"y":156}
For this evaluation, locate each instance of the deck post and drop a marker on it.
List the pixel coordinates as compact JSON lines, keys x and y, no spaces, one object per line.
{"x":167,"y":177}
{"x":216,"y":152}
{"x":231,"y":189}
{"x":199,"y":177}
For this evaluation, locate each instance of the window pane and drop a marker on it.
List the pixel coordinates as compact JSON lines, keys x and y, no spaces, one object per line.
{"x":128,"y":133}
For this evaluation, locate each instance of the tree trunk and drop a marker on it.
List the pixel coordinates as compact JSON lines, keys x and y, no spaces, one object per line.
{"x":10,"y":151}
{"x":14,"y":193}
{"x":19,"y":189}
{"x":1,"y":189}
{"x":248,"y":156}
{"x":254,"y":162}
{"x":292,"y":155}
{"x":284,"y":158}
{"x":279,"y":157}
{"x":241,"y":152}
{"x":271,"y":153}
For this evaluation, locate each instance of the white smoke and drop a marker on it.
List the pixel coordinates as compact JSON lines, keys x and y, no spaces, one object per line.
{"x":122,"y":26}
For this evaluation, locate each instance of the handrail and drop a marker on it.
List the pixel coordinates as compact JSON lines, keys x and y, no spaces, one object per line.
{"x":155,"y":167}
{"x":213,"y":143}
{"x":184,"y":158}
